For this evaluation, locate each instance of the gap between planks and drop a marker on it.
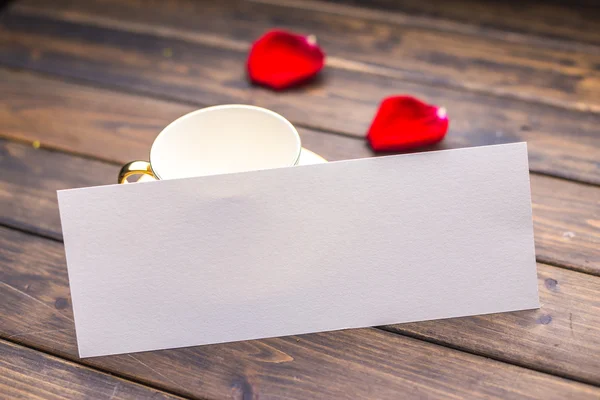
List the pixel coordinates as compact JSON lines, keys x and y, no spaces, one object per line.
{"x":433,"y":24}
{"x":216,"y":41}
{"x":32,"y":231}
{"x":482,"y":354}
{"x":547,"y":261}
{"x":101,"y":371}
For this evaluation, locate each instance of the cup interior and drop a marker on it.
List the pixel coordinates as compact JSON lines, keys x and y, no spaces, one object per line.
{"x":224,"y":139}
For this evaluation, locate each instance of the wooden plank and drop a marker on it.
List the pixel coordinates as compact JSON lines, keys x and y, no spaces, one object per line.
{"x":118,"y":127}
{"x":28,"y":374}
{"x":30,"y":179}
{"x":566,"y":223}
{"x":359,"y":363}
{"x":86,"y":120}
{"x":561,"y":142}
{"x":566,"y":20}
{"x":352,"y":40}
{"x":111,"y":126}
{"x":511,"y":337}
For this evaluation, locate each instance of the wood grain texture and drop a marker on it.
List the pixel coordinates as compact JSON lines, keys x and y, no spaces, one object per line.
{"x":30,"y":374}
{"x":359,"y":363}
{"x":29,"y":184}
{"x":561,"y":142}
{"x":564,"y":20}
{"x":118,"y":127}
{"x":106,"y":125}
{"x":567,"y":223}
{"x":417,"y":54}
{"x":561,"y":331}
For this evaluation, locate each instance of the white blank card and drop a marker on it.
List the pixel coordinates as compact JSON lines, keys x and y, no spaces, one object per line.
{"x":304,"y":249}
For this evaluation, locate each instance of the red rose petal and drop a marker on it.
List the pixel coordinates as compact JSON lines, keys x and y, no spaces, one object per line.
{"x":404,"y":122}
{"x":282,"y":59}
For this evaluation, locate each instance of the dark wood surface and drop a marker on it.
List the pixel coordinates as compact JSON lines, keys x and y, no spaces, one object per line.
{"x":407,"y":52}
{"x":571,"y":23}
{"x":206,"y":69}
{"x":90,"y":85}
{"x":28,"y":374}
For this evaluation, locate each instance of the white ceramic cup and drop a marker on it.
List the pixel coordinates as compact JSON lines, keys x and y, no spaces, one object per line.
{"x":217,"y":140}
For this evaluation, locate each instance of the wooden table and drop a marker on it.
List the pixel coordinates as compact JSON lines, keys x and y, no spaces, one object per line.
{"x":86,"y":86}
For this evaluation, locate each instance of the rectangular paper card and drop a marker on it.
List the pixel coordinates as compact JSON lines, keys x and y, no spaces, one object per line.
{"x":296,"y":250}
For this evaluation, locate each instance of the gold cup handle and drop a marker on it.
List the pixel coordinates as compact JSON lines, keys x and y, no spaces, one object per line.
{"x":135,"y":168}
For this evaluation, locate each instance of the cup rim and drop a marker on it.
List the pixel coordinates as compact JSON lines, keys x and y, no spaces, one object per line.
{"x":226,"y":106}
